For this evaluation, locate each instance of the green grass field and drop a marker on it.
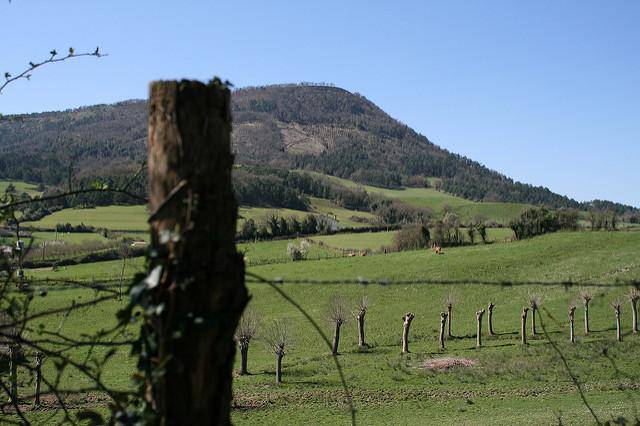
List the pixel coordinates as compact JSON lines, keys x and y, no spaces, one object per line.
{"x":124,"y":218}
{"x":510,"y":383}
{"x":21,"y":187}
{"x":376,"y":240}
{"x":435,"y":200}
{"x":318,"y":206}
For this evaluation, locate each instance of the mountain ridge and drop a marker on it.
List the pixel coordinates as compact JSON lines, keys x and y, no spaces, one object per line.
{"x":314,"y":127}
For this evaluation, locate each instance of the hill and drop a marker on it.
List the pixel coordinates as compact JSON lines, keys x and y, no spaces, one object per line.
{"x":319,"y":128}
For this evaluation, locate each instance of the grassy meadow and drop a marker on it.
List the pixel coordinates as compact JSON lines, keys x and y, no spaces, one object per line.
{"x":21,"y":187}
{"x":509,"y":383}
{"x":436,"y":200}
{"x":123,"y":218}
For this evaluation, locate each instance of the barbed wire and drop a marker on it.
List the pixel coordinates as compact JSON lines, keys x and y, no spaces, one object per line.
{"x":257,"y":279}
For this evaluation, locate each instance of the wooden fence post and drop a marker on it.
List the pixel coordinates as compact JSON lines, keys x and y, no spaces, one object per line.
{"x":523,"y":325}
{"x":196,"y":272}
{"x":38,"y":380}
{"x":407,"y":318}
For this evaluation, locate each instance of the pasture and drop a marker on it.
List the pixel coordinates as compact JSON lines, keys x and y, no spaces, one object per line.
{"x":509,"y":383}
{"x":21,"y":187}
{"x":318,"y":206}
{"x":436,"y":200}
{"x":121,"y":218}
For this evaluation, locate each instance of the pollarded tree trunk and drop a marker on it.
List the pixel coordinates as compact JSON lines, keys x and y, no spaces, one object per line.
{"x":490,"y":318}
{"x":279,"y":356}
{"x":443,"y":320}
{"x":618,"y":325}
{"x":405,"y":331}
{"x":634,"y":316}
{"x":479,"y":315}
{"x":572,"y":337}
{"x":196,"y":272}
{"x":449,"y":309}
{"x":336,"y":338}
{"x":534,"y":309}
{"x":244,"y":352}
{"x":360,"y":317}
{"x":586,"y":317}
{"x":523,"y":325}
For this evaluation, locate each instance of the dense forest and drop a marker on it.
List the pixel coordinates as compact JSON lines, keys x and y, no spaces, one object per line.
{"x":312,"y":127}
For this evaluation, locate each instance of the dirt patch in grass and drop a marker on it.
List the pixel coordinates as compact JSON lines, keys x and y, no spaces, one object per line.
{"x":448,"y":363}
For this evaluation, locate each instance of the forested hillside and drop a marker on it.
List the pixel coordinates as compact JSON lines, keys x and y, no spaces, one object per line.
{"x":320,"y":128}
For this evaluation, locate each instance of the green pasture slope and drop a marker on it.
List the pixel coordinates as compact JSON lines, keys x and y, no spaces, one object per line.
{"x":123,"y":218}
{"x":29,"y":188}
{"x":318,"y":206}
{"x":510,"y":384}
{"x":435,"y":200}
{"x":377,"y":240}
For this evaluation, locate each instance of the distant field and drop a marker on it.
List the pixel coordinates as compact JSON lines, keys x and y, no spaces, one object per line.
{"x":376,"y":240}
{"x":501,"y":213}
{"x":319,"y":206}
{"x":125,"y":218}
{"x":29,"y":188}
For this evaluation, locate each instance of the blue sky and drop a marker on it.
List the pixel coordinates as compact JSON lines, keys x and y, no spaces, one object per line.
{"x":547,"y":92}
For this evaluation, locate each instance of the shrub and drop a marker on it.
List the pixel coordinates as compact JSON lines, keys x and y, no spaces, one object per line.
{"x":298,"y":252}
{"x":411,"y":238}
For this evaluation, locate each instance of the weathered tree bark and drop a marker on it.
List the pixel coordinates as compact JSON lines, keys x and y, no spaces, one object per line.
{"x":634,"y":316}
{"x":449,"y":309}
{"x":244,"y":353}
{"x":534,"y":309}
{"x":407,"y":318}
{"x":13,"y":373}
{"x":360,"y":318}
{"x":479,"y":315}
{"x":279,"y":356}
{"x":572,"y":337}
{"x":523,"y":325}
{"x":336,"y":337}
{"x":586,"y":317}
{"x":618,"y":325}
{"x":443,"y":320}
{"x":490,"y":318}
{"x":38,"y":380}
{"x":201,"y":279}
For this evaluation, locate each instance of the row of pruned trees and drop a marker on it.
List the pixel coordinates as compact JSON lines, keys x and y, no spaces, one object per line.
{"x":278,"y":339}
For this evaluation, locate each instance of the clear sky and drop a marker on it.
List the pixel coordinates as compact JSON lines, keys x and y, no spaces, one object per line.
{"x":546,"y":92}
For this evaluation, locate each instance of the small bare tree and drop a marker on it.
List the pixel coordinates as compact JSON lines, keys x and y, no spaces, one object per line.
{"x":572,"y":310}
{"x":534,"y":303}
{"x":246,"y":330}
{"x":479,"y":315}
{"x":443,"y":320}
{"x":449,"y":301}
{"x":359,"y":315}
{"x":616,"y":305}
{"x":523,"y":325}
{"x":278,"y":340}
{"x":337,"y":315}
{"x":634,"y":295}
{"x":586,"y":297}
{"x":406,"y":323}
{"x":490,"y":318}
